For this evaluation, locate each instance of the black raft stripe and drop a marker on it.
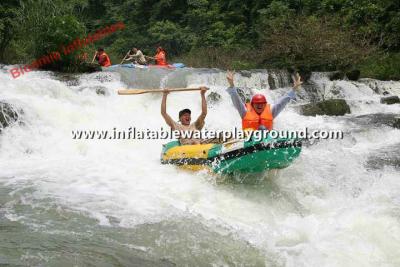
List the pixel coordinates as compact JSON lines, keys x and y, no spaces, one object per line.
{"x":234,"y":154}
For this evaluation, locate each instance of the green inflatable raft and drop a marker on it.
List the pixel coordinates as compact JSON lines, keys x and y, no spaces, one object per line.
{"x":233,"y":157}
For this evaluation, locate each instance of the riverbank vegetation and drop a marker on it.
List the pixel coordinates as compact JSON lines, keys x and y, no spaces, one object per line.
{"x":309,"y":35}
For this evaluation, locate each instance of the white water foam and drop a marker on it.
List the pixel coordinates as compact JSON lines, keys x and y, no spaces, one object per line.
{"x":326,"y":209}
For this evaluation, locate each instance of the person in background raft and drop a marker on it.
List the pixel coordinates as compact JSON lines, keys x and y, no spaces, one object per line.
{"x":258,"y":114}
{"x":102,"y":58}
{"x":137,"y":56}
{"x":160,"y":57}
{"x":185,"y":119}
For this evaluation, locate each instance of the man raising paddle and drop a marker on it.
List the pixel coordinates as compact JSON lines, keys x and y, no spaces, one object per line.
{"x":185,"y":118}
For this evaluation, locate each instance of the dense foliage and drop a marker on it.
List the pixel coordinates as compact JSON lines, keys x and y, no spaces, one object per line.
{"x":309,"y":34}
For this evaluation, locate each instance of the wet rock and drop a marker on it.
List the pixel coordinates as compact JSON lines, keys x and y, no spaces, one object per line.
{"x":271,"y":82}
{"x":8,"y":115}
{"x":389,"y":100}
{"x":377,"y":120}
{"x":245,"y":95}
{"x":336,"y":75}
{"x":101,"y":90}
{"x":381,"y":87}
{"x":67,"y":78}
{"x":331,"y":107}
{"x":396,"y":123}
{"x":353,"y":75}
{"x":89,"y":67}
{"x":245,"y":73}
{"x":213,"y":98}
{"x":278,"y":79}
{"x":304,"y":72}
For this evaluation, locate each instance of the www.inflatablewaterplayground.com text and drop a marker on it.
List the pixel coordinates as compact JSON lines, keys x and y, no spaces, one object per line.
{"x":235,"y":133}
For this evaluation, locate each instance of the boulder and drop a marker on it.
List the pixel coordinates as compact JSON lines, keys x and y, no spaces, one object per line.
{"x":8,"y":115}
{"x":353,"y":75}
{"x":89,"y":67}
{"x":377,"y":120}
{"x":336,"y":75}
{"x":389,"y":100}
{"x":331,"y":107}
{"x":396,"y":123}
{"x":271,"y":82}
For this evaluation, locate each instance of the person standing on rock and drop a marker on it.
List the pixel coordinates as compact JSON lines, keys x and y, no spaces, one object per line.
{"x":258,"y":114}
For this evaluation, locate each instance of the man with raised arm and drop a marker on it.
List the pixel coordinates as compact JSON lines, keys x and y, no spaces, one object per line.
{"x":185,"y":118}
{"x":258,"y":114}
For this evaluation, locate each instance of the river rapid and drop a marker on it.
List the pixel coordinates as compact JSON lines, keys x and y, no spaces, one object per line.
{"x":66,"y":202}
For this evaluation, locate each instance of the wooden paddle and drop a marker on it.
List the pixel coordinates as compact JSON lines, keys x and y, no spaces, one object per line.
{"x":125,"y":57}
{"x":95,"y":54}
{"x":144,"y":91}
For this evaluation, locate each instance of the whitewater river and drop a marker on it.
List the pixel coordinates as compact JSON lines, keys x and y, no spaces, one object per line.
{"x":66,"y":202}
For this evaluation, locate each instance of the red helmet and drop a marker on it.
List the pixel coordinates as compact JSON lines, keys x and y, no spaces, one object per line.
{"x":258,"y":99}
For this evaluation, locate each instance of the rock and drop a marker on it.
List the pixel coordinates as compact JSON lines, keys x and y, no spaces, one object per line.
{"x":277,"y":79}
{"x":67,"y":78}
{"x":304,"y":72}
{"x":101,"y":90}
{"x":353,"y":75}
{"x":213,"y":98}
{"x":245,"y":73}
{"x":245,"y":95}
{"x":336,"y":75}
{"x":396,"y":123}
{"x":331,"y":107}
{"x":8,"y":115}
{"x":377,"y":120}
{"x":271,"y":82}
{"x":389,"y":100}
{"x":89,"y":67}
{"x":381,"y":87}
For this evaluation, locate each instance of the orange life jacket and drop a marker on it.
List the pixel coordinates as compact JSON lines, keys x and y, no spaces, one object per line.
{"x":253,"y":120}
{"x":107,"y":61}
{"x":161,"y":58}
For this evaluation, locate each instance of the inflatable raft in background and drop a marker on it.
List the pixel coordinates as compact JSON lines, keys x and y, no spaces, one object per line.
{"x":233,"y":157}
{"x":138,"y":66}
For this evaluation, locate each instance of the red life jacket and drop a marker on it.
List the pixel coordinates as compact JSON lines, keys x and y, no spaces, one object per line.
{"x":106,"y":62}
{"x":252,"y":120}
{"x":161,"y":58}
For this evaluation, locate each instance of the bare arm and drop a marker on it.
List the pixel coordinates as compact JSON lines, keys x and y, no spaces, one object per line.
{"x":166,"y":117}
{"x":200,"y":120}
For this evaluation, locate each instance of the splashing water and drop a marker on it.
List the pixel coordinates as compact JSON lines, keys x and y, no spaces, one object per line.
{"x":110,"y":202}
